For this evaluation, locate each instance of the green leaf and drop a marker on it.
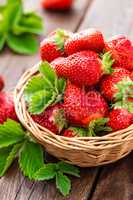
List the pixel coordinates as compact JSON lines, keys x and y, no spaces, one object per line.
{"x":2,"y":41}
{"x":36,"y":84}
{"x":40,"y":101}
{"x":46,"y":70}
{"x":31,"y":158}
{"x":7,"y":156}
{"x":29,"y":23}
{"x":24,"y":44}
{"x":47,"y":172}
{"x":68,"y":169}
{"x":11,"y":132}
{"x":107,"y":63}
{"x":63,"y":183}
{"x":61,"y":85}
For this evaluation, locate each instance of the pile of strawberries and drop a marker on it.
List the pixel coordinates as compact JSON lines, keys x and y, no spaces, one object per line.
{"x":99,"y":90}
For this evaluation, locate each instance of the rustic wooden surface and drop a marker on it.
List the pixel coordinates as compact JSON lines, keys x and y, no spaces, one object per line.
{"x":111,"y":182}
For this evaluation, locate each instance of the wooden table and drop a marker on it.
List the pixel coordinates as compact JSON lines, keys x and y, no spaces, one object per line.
{"x":111,"y":182}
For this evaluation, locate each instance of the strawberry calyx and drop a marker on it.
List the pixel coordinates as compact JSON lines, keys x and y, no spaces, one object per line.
{"x":125,"y":89}
{"x":59,"y":119}
{"x":124,"y":104}
{"x":107,"y":63}
{"x":75,"y":131}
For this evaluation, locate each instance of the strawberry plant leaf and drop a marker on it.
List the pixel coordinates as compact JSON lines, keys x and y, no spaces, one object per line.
{"x":11,"y":132}
{"x":40,"y":101}
{"x":7,"y":155}
{"x":31,"y":158}
{"x":68,"y":169}
{"x":47,"y":172}
{"x":61,"y":85}
{"x":2,"y":41}
{"x":29,"y":23}
{"x":63,"y":183}
{"x":36,"y":84}
{"x":24,"y":44}
{"x":47,"y":71}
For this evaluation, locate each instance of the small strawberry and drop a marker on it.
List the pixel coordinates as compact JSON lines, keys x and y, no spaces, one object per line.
{"x":117,"y":85}
{"x":53,"y":46}
{"x":81,"y":107}
{"x":2,"y":84}
{"x":57,"y":4}
{"x":89,"y":39}
{"x":74,"y":132}
{"x":52,"y":118}
{"x":84,"y":68}
{"x":121,"y":50}
{"x":119,"y":119}
{"x":7,"y":109}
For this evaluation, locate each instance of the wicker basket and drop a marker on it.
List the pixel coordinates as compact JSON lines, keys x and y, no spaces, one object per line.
{"x":81,"y":151}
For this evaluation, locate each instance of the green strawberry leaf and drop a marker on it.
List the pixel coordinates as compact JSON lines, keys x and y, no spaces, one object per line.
{"x":47,"y":172}
{"x":30,"y":158}
{"x":7,"y":156}
{"x":11,"y":133}
{"x":24,"y":44}
{"x":47,"y":71}
{"x":40,"y":101}
{"x":61,"y":85}
{"x":2,"y":41}
{"x":29,"y":23}
{"x":68,"y":169}
{"x":36,"y":84}
{"x":63,"y":183}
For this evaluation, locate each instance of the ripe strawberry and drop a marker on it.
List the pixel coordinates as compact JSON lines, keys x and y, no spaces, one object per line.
{"x":74,"y":132}
{"x":81,"y":107}
{"x":119,"y":119}
{"x":84,"y":68}
{"x":118,"y":83}
{"x":122,"y":51}
{"x":89,"y":39}
{"x":53,"y":46}
{"x":1,"y":83}
{"x":57,"y":4}
{"x":7,"y":109}
{"x":52,"y":118}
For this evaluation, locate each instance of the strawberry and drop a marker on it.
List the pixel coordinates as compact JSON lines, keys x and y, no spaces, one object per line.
{"x":7,"y":109}
{"x":57,"y":4}
{"x":1,"y":83}
{"x":119,"y":119}
{"x":121,"y":50}
{"x":53,"y":46}
{"x":118,"y":83}
{"x":89,"y":39}
{"x":81,"y":107}
{"x":52,"y":118}
{"x":84,"y":68}
{"x":74,"y":132}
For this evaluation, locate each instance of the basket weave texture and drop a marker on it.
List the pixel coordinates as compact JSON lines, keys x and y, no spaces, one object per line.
{"x":81,"y":151}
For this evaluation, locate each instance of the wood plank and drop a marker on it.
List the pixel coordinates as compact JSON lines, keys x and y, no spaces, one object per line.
{"x":14,"y":185}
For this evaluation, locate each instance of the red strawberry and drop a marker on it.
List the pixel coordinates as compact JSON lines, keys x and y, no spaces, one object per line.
{"x":57,"y":4}
{"x":81,"y":107}
{"x":122,"y":51}
{"x":110,"y":84}
{"x":1,"y":83}
{"x":53,"y":46}
{"x":74,"y":132}
{"x":7,"y":109}
{"x":52,"y":118}
{"x":84,"y":68}
{"x":89,"y":39}
{"x":119,"y":119}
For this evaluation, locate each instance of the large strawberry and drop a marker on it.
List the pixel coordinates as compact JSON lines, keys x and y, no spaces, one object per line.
{"x":122,"y":51}
{"x":82,"y":107}
{"x":84,"y":68}
{"x":7,"y":109}
{"x":116,"y":86}
{"x":56,"y":4}
{"x":89,"y":39}
{"x":1,"y":83}
{"x":53,"y":46}
{"x":52,"y":118}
